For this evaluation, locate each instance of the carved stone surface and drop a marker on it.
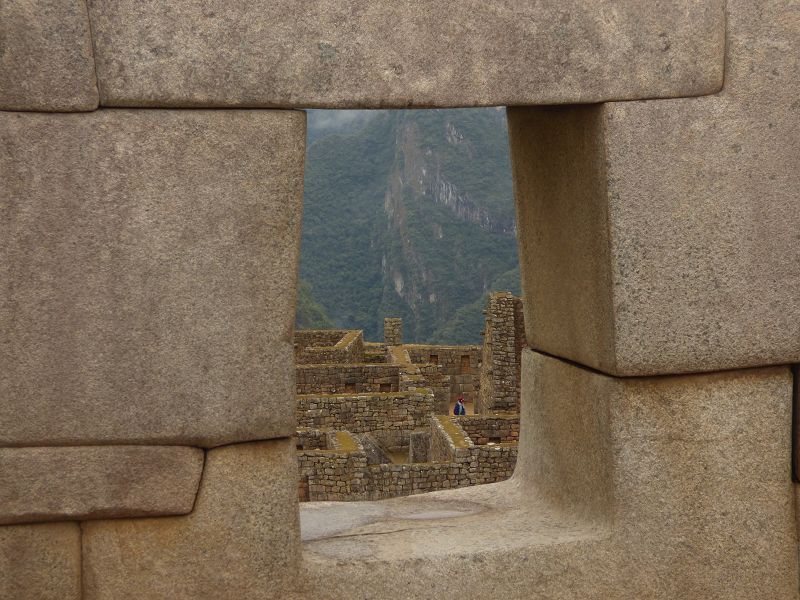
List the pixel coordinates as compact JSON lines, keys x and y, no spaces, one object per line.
{"x":46,"y":60}
{"x":626,"y":488}
{"x":96,"y":482}
{"x":40,"y":562}
{"x":240,"y":542}
{"x":661,"y":236}
{"x":386,"y":53}
{"x":148,"y":277}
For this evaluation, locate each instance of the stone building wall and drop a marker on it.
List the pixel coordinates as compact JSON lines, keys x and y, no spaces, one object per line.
{"x":375,"y":352}
{"x":311,"y":439}
{"x":461,"y":363}
{"x":392,"y":331}
{"x":342,"y":472}
{"x":334,"y":472}
{"x":366,"y":413}
{"x":657,"y":219}
{"x":482,"y":429}
{"x":315,"y":347}
{"x":359,"y":378}
{"x":504,"y":339}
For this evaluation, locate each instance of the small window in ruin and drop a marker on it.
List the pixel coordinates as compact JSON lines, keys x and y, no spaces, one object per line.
{"x":433,"y":359}
{"x":386,"y":387}
{"x":465,"y":367}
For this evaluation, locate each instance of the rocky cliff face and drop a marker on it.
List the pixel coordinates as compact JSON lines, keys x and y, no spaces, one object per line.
{"x":429,"y":193}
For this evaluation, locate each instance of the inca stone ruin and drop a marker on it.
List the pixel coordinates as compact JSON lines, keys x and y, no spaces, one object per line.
{"x":375,"y":420}
{"x":150,"y":210}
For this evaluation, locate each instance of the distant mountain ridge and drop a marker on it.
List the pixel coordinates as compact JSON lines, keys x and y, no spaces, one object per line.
{"x":408,"y":213}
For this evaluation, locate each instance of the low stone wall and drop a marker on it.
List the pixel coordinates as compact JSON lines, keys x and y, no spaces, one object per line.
{"x":482,"y":429}
{"x":311,"y":439}
{"x":335,"y":472}
{"x":461,"y":363}
{"x":447,"y":438}
{"x":315,"y":347}
{"x":353,"y":378}
{"x":365,"y":413}
{"x":343,"y":473}
{"x":375,"y":352}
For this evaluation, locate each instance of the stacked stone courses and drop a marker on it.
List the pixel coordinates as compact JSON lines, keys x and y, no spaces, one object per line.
{"x":352,"y":378}
{"x":340,"y":470}
{"x":403,"y":411}
{"x":337,"y":347}
{"x":504,"y":336}
{"x":149,"y":248}
{"x":385,"y":429}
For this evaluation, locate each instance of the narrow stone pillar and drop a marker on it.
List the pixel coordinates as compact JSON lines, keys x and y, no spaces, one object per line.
{"x":393,"y":331}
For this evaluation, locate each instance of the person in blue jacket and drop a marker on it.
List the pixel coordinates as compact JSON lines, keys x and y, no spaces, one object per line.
{"x":459,"y":408}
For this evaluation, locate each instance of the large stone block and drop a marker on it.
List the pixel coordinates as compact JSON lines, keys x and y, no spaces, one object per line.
{"x":241,"y":541}
{"x":148,"y":276}
{"x":693,"y":473}
{"x":40,"y":562}
{"x":95,"y":482}
{"x":46,"y":60}
{"x":661,"y":236}
{"x":349,"y":54}
{"x":660,"y":488}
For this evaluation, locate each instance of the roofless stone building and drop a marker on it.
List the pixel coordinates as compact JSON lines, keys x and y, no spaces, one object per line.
{"x":152,"y":170}
{"x":385,"y":428}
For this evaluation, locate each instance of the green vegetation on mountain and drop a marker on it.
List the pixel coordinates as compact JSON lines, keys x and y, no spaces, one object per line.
{"x":310,"y":313}
{"x":410,"y":214}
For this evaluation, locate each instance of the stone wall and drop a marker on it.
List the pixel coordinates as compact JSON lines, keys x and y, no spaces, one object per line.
{"x":392,"y":331}
{"x":461,"y":363}
{"x":375,"y":352}
{"x":334,"y":379}
{"x":365,"y":413}
{"x":149,"y":260}
{"x":504,"y":339}
{"x":311,"y":439}
{"x":342,"y":472}
{"x":334,"y":472}
{"x":316,"y":347}
{"x":482,"y":429}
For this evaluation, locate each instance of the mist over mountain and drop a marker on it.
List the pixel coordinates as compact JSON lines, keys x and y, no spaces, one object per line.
{"x":407,"y":213}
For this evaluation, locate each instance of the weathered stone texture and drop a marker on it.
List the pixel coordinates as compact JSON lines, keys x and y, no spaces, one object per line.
{"x":327,"y":346}
{"x":340,"y":468}
{"x":241,"y":541}
{"x":392,"y":331}
{"x":334,"y":379}
{"x":672,"y":463}
{"x":148,"y":276}
{"x":498,"y":428}
{"x":400,"y":411}
{"x":462,"y":364}
{"x":344,"y":54}
{"x":503,"y":341}
{"x":46,"y":60}
{"x":40,"y":562}
{"x":96,"y":482}
{"x":661,"y":237}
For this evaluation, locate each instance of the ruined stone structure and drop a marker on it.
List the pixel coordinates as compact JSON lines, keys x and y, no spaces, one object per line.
{"x":392,"y":331}
{"x":336,"y":466}
{"x":370,"y":431}
{"x":148,"y":260}
{"x":504,"y":336}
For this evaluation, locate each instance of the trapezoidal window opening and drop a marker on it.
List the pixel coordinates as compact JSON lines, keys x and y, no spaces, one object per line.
{"x":407,"y":304}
